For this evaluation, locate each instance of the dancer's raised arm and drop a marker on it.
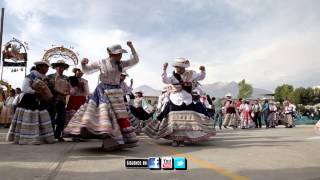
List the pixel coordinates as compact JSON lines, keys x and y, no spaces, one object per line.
{"x":199,"y":76}
{"x":134,"y":57}
{"x":89,"y":68}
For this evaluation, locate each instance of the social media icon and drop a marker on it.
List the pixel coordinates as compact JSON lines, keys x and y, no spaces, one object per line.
{"x":180,"y":163}
{"x":167,"y":163}
{"x":154,"y":163}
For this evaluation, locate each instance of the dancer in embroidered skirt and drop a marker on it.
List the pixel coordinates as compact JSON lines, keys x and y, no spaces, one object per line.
{"x":180,"y":120}
{"x":31,"y":123}
{"x":105,"y":115}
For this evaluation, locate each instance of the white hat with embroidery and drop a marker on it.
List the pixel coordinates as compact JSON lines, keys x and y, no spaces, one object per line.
{"x":116,"y":49}
{"x":181,"y":62}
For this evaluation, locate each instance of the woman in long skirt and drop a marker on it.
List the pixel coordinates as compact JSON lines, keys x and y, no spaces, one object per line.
{"x":31,"y":123}
{"x":180,"y":119}
{"x":105,"y":115}
{"x":8,"y":110}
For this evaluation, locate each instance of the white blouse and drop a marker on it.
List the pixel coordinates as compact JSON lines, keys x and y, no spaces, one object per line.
{"x":109,"y":72}
{"x":27,"y":82}
{"x":178,"y":98}
{"x":172,"y":80}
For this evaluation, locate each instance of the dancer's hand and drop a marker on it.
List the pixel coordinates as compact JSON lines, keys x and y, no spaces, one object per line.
{"x":84,"y":61}
{"x":165,"y":66}
{"x":129,"y":43}
{"x":202,"y":68}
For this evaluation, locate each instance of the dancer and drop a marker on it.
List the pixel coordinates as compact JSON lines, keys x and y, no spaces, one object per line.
{"x":60,"y":88}
{"x":105,"y":115}
{"x":180,"y":121}
{"x":230,"y":117}
{"x":31,"y":123}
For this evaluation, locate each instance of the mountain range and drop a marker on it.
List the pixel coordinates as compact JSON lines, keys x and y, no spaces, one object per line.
{"x":217,"y":89}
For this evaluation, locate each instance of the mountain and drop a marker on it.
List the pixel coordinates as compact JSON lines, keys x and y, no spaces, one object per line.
{"x":147,"y":90}
{"x":220,"y":89}
{"x":217,"y":89}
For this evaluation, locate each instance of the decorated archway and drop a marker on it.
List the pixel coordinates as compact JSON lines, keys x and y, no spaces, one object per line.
{"x":14,"y":56}
{"x":61,"y":52}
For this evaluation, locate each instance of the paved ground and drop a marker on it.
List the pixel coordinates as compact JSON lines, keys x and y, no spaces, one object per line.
{"x":264,"y":154}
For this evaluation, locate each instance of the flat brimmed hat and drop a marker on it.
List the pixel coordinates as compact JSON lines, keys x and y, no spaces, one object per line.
{"x":181,"y":62}
{"x":138,"y":92}
{"x":74,"y":70}
{"x":41,"y":63}
{"x":124,"y":74}
{"x":195,"y":93}
{"x":116,"y":49}
{"x":60,"y":63}
{"x":165,"y":89}
{"x":228,"y":95}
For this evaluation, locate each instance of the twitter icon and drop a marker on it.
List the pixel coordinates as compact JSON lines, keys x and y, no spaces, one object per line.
{"x":180,"y":163}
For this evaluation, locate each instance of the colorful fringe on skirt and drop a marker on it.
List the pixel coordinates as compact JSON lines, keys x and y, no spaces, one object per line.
{"x":182,"y":126}
{"x":104,"y":116}
{"x":30,"y":125}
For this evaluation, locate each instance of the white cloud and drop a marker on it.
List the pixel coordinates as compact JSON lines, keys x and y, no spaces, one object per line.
{"x":267,"y":43}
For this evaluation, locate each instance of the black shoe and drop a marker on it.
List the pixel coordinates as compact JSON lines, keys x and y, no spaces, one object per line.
{"x":60,"y":139}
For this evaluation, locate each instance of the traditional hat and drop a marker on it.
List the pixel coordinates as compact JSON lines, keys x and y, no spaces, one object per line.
{"x":116,"y":49}
{"x":195,"y":93}
{"x":124,"y":73}
{"x":41,"y":63}
{"x":165,"y":89}
{"x":138,"y":92}
{"x":228,"y":95}
{"x":60,"y":63}
{"x":181,"y":62}
{"x":74,"y":70}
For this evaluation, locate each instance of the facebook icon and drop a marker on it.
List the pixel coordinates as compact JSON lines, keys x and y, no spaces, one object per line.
{"x":154,"y":163}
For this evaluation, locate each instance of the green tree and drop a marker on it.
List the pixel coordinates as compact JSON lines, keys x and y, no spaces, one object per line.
{"x":308,"y":96}
{"x":283,"y":92}
{"x":317,"y":95}
{"x":245,"y":90}
{"x":296,"y":95}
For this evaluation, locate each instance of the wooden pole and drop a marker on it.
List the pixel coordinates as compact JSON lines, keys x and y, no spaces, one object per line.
{"x":1,"y":35}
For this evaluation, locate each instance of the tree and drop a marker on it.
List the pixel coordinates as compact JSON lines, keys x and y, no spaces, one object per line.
{"x":308,"y":96}
{"x":317,"y":95}
{"x":283,"y":92}
{"x":296,"y":95}
{"x":245,"y":90}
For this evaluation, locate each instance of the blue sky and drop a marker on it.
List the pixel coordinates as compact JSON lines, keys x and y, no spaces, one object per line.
{"x":266,"y":42}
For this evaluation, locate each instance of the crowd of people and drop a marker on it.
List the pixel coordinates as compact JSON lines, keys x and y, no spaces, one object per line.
{"x":52,"y":107}
{"x":246,"y":114}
